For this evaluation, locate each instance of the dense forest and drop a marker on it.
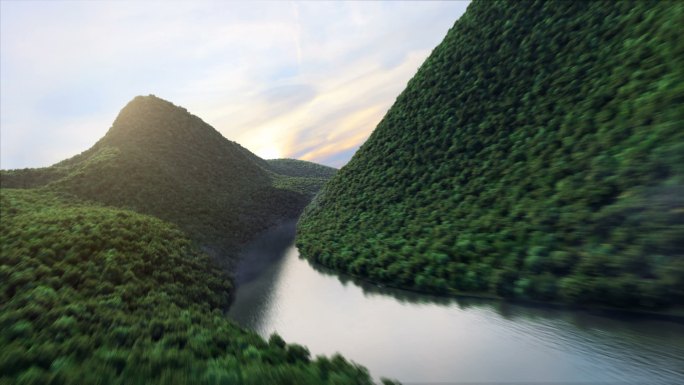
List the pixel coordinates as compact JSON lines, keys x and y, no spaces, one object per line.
{"x":158,"y":159}
{"x":297,"y":175}
{"x":96,"y":295}
{"x":91,"y":293}
{"x":537,"y":154}
{"x":300,"y":168}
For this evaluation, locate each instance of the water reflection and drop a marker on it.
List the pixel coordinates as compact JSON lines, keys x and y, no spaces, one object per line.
{"x":418,"y":338}
{"x":504,"y":308}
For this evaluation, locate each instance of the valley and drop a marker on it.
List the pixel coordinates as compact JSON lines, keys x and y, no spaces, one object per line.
{"x":516,"y":215}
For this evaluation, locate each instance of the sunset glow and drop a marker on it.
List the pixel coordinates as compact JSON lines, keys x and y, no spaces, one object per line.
{"x":303,"y":80}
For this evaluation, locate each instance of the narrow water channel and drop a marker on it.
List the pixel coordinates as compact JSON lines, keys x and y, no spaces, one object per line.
{"x":422,"y":339}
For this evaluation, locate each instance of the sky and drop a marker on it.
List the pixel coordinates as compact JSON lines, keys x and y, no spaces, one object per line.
{"x":305,"y":80}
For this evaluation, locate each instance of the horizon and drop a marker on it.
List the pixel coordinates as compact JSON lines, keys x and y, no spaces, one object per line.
{"x":307,"y":81}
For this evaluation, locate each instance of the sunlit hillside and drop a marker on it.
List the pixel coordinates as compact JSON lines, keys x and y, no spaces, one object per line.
{"x":537,"y":154}
{"x":158,"y":159}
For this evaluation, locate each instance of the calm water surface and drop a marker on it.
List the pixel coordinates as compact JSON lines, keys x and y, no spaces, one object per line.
{"x":422,"y":339}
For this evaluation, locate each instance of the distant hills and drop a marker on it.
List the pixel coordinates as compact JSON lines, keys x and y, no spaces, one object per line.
{"x":538,"y":153}
{"x":297,"y":175}
{"x":158,"y":159}
{"x":300,"y":168}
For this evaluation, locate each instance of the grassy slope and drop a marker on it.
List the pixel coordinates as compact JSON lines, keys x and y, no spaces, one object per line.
{"x":158,"y":159}
{"x":90,"y":294}
{"x":537,"y":153}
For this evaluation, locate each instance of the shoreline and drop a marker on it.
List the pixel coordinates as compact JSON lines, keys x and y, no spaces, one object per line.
{"x":672,"y":315}
{"x":242,"y":273}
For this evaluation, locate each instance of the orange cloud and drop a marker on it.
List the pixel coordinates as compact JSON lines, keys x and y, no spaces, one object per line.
{"x":351,"y":132}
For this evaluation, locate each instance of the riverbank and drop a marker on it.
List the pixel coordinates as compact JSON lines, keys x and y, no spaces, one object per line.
{"x":673,"y":315}
{"x":253,"y":259}
{"x":423,"y":338}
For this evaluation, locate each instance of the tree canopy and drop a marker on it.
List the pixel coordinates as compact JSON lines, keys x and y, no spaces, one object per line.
{"x":538,"y":153}
{"x":159,"y":159}
{"x":96,"y":295}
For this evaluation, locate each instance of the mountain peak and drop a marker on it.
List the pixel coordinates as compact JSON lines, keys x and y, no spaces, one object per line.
{"x":150,"y":119}
{"x":159,"y":159}
{"x":150,"y":102}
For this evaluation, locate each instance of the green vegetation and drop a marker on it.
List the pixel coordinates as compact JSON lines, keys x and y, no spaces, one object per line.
{"x":297,"y":175}
{"x":538,"y":153}
{"x":95,"y":295}
{"x":300,"y":168}
{"x":158,"y":159}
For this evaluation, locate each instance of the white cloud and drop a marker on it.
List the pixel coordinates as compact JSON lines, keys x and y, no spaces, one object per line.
{"x":307,"y":79}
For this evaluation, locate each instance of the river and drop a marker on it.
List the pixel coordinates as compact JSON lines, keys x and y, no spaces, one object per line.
{"x":422,"y":339}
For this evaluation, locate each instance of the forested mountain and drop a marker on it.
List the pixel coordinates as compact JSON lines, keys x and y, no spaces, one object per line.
{"x":96,"y":295}
{"x":298,"y":175}
{"x":300,"y":168}
{"x":538,"y":153}
{"x":158,"y":159}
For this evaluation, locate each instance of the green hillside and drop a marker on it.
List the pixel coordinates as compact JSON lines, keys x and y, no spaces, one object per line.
{"x":95,"y":295}
{"x":300,"y":168}
{"x":298,"y":175}
{"x":158,"y":159}
{"x":538,"y":153}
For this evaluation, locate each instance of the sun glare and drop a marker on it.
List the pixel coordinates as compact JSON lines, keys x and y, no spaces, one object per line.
{"x":270,"y":151}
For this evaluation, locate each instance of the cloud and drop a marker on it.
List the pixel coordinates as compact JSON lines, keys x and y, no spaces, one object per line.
{"x":308,"y":80}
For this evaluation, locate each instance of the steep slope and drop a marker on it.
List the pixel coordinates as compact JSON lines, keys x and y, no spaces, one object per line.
{"x":537,"y":153}
{"x":95,"y":295}
{"x":159,"y":159}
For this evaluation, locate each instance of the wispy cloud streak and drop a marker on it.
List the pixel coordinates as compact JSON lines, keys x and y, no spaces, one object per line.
{"x":308,"y":80}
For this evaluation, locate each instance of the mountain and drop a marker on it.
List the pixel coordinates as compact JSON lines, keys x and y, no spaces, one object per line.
{"x":538,"y":153}
{"x":297,"y":175}
{"x":300,"y":168}
{"x":98,"y":295}
{"x":158,"y":159}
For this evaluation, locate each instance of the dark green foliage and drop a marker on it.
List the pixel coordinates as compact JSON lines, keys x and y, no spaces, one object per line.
{"x":538,"y":153}
{"x":159,"y":159}
{"x":297,"y":175}
{"x":94,"y":295}
{"x":31,"y":177}
{"x":300,"y":168}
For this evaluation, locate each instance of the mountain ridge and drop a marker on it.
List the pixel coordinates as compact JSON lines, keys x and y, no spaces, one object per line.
{"x":159,"y":159}
{"x":101,"y":295}
{"x":103,"y":279}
